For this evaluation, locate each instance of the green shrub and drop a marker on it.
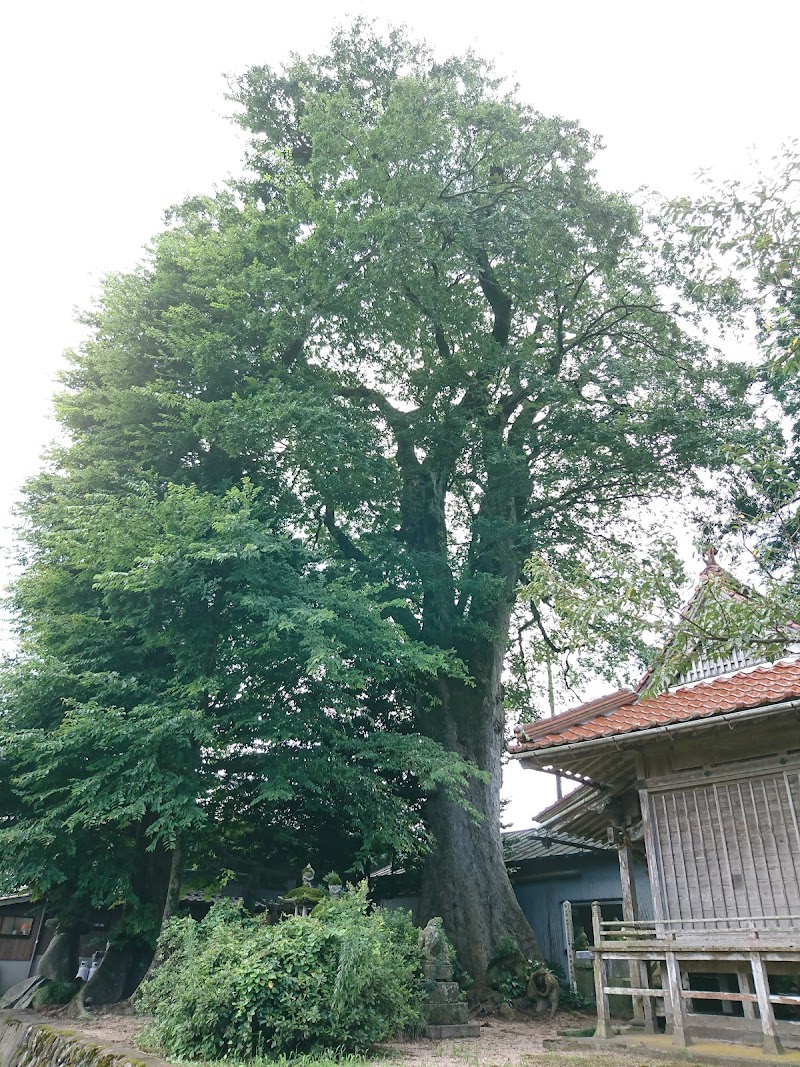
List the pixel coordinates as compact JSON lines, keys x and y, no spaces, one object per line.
{"x":54,"y":993}
{"x":233,"y":987}
{"x":508,"y":971}
{"x":567,"y":999}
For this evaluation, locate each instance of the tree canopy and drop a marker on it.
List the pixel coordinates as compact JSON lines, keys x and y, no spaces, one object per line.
{"x":189,"y":673}
{"x":313,"y":440}
{"x":737,"y":245}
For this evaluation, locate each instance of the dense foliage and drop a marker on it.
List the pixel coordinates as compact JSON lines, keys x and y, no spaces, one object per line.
{"x":737,"y":248}
{"x":732,"y":255}
{"x":193,"y":683}
{"x":312,"y":441}
{"x":739,"y":245}
{"x":233,"y":986}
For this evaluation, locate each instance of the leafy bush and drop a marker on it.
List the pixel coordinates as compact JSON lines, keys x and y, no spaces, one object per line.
{"x":567,"y":998}
{"x":581,"y":942}
{"x":232,"y":986}
{"x":575,"y":1000}
{"x":55,"y":993}
{"x":508,"y":971}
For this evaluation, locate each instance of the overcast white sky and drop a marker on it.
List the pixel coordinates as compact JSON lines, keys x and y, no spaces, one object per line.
{"x":113,"y":110}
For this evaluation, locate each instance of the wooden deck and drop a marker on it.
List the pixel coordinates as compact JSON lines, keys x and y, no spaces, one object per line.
{"x":661,"y":953}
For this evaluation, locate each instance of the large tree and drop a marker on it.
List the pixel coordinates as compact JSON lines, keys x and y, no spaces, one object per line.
{"x":419,"y":326}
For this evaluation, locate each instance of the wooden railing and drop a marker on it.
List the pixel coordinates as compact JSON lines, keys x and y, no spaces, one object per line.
{"x":654,"y":929}
{"x":672,"y":942}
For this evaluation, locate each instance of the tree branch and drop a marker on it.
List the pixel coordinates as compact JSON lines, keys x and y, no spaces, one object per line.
{"x":537,"y":618}
{"x":397,"y":420}
{"x":346,"y":546}
{"x":438,"y":331}
{"x":499,"y":302}
{"x":401,"y":614}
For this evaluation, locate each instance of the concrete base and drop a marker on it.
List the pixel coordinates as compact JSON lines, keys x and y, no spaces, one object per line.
{"x":446,"y":1014}
{"x":660,"y":1047}
{"x":445,"y":993}
{"x":447,"y":1033}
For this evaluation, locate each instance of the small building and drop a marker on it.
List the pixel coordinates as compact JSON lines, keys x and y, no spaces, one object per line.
{"x":702,"y":781}
{"x":25,"y":933}
{"x":23,"y":938}
{"x":547,"y":870}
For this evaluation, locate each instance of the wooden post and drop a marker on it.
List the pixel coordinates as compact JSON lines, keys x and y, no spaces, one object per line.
{"x":624,"y":853}
{"x":772,"y":1043}
{"x":725,"y":986}
{"x":680,"y":1033}
{"x":569,"y":937}
{"x":745,"y":986}
{"x":663,"y":981}
{"x":600,"y":977}
{"x":653,"y":856}
{"x":647,"y":1002}
{"x":642,"y":1013}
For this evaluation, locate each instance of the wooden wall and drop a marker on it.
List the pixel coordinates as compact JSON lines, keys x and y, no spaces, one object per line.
{"x":722,"y":823}
{"x":730,"y":847}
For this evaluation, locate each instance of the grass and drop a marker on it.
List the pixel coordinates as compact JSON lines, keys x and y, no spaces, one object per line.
{"x":332,"y":1059}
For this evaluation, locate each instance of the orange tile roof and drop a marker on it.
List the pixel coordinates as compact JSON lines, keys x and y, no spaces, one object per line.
{"x":624,"y":712}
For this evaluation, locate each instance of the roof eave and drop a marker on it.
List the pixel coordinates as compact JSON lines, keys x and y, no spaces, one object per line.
{"x":631,"y":737}
{"x":15,"y":898}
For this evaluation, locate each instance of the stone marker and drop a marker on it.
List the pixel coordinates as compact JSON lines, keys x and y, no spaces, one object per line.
{"x":445,"y":1012}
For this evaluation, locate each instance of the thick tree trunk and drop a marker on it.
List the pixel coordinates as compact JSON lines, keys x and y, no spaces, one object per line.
{"x":173,"y":894}
{"x":149,"y":962}
{"x":464,"y":879}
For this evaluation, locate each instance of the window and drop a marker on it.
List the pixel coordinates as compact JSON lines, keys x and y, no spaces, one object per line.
{"x":16,"y":926}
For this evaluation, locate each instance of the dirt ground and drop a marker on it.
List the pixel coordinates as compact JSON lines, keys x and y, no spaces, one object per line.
{"x":517,"y":1041}
{"x":513,"y":1042}
{"x":504,"y":1042}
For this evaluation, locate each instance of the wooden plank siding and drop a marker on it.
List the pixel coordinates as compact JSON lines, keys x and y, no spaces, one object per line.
{"x":21,"y":948}
{"x":729,"y":848}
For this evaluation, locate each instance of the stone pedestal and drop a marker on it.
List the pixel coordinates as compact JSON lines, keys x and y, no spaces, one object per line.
{"x":446,"y":1015}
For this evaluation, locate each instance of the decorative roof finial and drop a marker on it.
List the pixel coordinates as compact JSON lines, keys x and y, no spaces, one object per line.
{"x":710,"y":557}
